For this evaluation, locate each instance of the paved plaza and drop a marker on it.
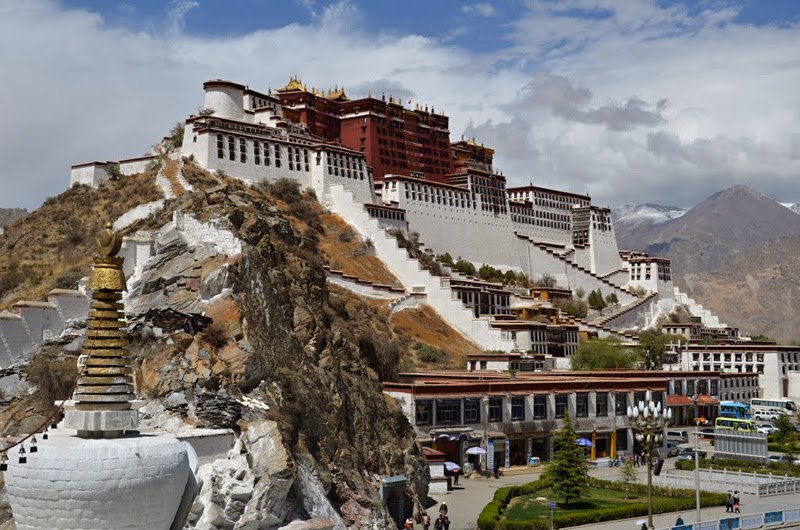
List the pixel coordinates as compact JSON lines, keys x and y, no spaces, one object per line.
{"x":467,"y":500}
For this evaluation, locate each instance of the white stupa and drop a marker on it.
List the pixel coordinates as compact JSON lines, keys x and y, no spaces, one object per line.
{"x":98,"y":472}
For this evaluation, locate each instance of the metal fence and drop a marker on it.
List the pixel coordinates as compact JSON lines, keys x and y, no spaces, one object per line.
{"x":745,"y":522}
{"x":721,"y":481}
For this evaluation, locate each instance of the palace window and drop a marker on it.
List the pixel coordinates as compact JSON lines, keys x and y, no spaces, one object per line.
{"x":423,"y":416}
{"x":561,"y":405}
{"x":448,"y":411}
{"x":472,"y":411}
{"x":495,"y":409}
{"x":267,"y":149}
{"x":517,"y":407}
{"x":220,"y":147}
{"x":582,"y":405}
{"x":621,"y":403}
{"x":539,"y":407}
{"x":277,"y":155}
{"x":231,"y":148}
{"x":601,"y":404}
{"x":622,"y":441}
{"x":242,"y":150}
{"x":257,"y":152}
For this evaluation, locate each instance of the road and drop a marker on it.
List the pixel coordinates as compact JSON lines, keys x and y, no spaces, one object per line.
{"x":467,"y":500}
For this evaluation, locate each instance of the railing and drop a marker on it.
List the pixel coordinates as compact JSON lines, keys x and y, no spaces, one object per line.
{"x":744,"y":522}
{"x":721,"y":480}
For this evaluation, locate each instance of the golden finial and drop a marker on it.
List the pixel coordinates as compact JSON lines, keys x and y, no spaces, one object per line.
{"x":108,"y":243}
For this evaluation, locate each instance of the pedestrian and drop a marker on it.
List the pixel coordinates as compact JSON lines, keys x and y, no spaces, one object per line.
{"x":497,"y":469}
{"x":635,"y":460}
{"x":729,"y":503}
{"x":455,"y":477}
{"x":443,"y":510}
{"x":442,"y":523}
{"x":643,"y":458}
{"x":426,"y":521}
{"x":736,"y":502}
{"x":644,"y":526}
{"x":679,"y":521}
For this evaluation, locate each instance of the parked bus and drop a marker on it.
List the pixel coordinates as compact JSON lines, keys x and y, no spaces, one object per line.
{"x":734,"y":409}
{"x":784,"y":406}
{"x":734,"y":424}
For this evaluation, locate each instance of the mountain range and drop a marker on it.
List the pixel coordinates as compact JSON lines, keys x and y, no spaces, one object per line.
{"x":735,"y":253}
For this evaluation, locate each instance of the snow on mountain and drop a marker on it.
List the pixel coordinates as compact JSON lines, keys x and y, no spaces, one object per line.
{"x":653,"y":214}
{"x":793,"y":206}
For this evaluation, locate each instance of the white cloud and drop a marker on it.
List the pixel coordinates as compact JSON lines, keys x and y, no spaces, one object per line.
{"x":571,"y":103}
{"x":177,"y":11}
{"x":483,"y":9}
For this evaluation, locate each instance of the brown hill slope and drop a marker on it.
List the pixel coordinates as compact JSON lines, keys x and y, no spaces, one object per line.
{"x":758,"y":291}
{"x":712,"y":233}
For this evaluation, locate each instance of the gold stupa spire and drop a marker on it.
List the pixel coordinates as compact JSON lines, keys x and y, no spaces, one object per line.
{"x":106,"y":381}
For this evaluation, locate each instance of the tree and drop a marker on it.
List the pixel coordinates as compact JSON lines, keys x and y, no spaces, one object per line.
{"x":596,"y":300}
{"x":628,"y":474}
{"x":176,"y":135}
{"x":603,"y":354}
{"x":446,"y":258}
{"x":568,"y":471}
{"x":580,"y":293}
{"x":652,"y":346}
{"x":464,"y":267}
{"x":612,"y":299}
{"x":573,"y":307}
{"x":785,"y":432}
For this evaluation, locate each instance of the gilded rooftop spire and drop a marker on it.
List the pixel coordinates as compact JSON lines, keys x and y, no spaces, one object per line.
{"x":106,"y":381}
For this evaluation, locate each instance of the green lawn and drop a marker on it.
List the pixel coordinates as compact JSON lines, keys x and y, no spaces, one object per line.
{"x":526,"y":507}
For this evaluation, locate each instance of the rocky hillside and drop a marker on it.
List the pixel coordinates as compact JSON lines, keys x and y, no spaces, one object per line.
{"x":292,"y":363}
{"x":712,"y":233}
{"x":10,"y":215}
{"x":757,"y":291}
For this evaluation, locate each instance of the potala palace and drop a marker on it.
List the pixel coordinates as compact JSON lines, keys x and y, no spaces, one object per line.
{"x":384,"y":166}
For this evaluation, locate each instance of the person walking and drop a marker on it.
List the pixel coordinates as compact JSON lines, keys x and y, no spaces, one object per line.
{"x":442,"y":523}
{"x":443,"y":510}
{"x":426,"y":521}
{"x":736,"y":502}
{"x":455,"y":477}
{"x":679,"y":521}
{"x":729,"y":503}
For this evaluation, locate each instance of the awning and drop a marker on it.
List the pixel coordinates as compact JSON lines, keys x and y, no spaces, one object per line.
{"x":678,"y":401}
{"x":703,"y":399}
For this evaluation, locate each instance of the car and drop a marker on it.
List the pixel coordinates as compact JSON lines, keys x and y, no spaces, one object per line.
{"x":767,"y":415}
{"x":687,"y":453}
{"x":781,"y":459}
{"x":766,"y":428}
{"x":672,"y":448}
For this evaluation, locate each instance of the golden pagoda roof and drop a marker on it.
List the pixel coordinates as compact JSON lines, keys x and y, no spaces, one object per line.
{"x":293,"y":85}
{"x":338,"y":95}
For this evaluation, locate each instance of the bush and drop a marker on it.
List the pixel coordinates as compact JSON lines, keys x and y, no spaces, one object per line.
{"x":286,"y":190}
{"x":53,"y":376}
{"x":216,"y":335}
{"x":487,"y":520}
{"x":69,"y":279}
{"x":431,"y":354}
{"x":464,"y":267}
{"x":347,"y":235}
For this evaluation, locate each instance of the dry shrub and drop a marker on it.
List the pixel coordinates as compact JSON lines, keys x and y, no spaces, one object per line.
{"x":54,"y":377}
{"x":216,"y":335}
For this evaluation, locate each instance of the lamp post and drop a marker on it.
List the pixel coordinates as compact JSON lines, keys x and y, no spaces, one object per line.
{"x":649,"y":421}
{"x":696,"y":464}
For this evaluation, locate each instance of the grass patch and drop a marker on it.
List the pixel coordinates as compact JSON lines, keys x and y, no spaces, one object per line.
{"x":527,"y":507}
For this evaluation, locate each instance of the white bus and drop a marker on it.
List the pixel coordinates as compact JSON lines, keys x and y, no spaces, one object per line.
{"x":764,"y":406}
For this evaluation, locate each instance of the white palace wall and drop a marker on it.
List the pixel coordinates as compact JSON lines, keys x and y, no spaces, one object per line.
{"x":604,"y":251}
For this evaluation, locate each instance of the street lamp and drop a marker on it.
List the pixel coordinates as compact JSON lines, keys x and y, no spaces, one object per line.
{"x":649,"y":421}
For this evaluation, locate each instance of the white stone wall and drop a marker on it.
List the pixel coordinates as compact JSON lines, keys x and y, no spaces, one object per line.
{"x":447,"y":222}
{"x":197,"y":233}
{"x":206,"y":153}
{"x":135,"y":165}
{"x":605,"y":253}
{"x":406,"y":403}
{"x":334,"y":167}
{"x":42,"y":321}
{"x":226,"y":100}
{"x":136,"y":251}
{"x":92,"y":174}
{"x":143,"y":211}
{"x":15,"y":341}
{"x":71,"y":305}
{"x":124,"y":484}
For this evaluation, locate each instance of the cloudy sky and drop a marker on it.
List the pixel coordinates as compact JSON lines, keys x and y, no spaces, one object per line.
{"x":628,"y":100}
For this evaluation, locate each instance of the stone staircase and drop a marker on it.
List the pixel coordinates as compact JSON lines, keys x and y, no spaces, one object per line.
{"x":709,"y":319}
{"x":607,"y":321}
{"x":414,"y":278}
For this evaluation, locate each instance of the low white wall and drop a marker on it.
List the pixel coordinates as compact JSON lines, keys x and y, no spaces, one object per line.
{"x":135,"y":165}
{"x":196,"y":233}
{"x":92,"y":174}
{"x":143,"y":211}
